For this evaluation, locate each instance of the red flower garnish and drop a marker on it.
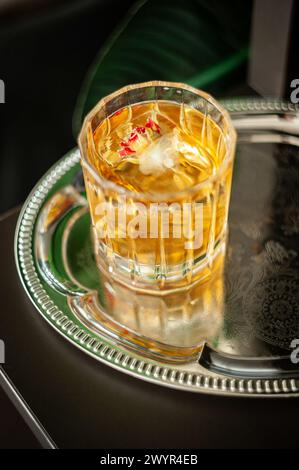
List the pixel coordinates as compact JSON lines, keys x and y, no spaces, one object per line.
{"x":127,"y":144}
{"x":133,"y":136}
{"x":154,"y":126}
{"x":140,"y":130}
{"x":125,"y":152}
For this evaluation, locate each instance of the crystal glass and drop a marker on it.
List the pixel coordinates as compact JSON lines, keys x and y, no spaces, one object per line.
{"x":157,"y":159}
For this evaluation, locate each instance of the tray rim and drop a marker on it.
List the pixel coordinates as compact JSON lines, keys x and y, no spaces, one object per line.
{"x":115,"y":356}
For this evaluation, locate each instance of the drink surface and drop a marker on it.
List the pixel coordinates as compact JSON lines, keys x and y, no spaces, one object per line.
{"x":158,"y":147}
{"x":155,"y":150}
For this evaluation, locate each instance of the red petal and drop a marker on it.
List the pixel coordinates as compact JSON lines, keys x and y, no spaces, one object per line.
{"x":133,"y":137}
{"x":126,"y":151}
{"x":153,"y":125}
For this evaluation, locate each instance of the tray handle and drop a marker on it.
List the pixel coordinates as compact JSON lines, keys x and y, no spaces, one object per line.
{"x":247,"y":367}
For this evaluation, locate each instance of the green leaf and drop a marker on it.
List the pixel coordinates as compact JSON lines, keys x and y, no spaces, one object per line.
{"x":199,"y":42}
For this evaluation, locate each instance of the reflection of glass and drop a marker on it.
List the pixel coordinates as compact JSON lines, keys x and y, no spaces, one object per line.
{"x":157,"y":160}
{"x":170,"y":327}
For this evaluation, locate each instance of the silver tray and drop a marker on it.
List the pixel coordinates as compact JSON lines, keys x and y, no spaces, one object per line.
{"x":252,"y":356}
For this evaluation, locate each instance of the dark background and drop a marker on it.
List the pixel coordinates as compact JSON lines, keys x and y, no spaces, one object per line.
{"x":46,"y":46}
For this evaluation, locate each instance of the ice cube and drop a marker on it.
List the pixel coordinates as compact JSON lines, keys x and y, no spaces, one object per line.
{"x":160,"y":156}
